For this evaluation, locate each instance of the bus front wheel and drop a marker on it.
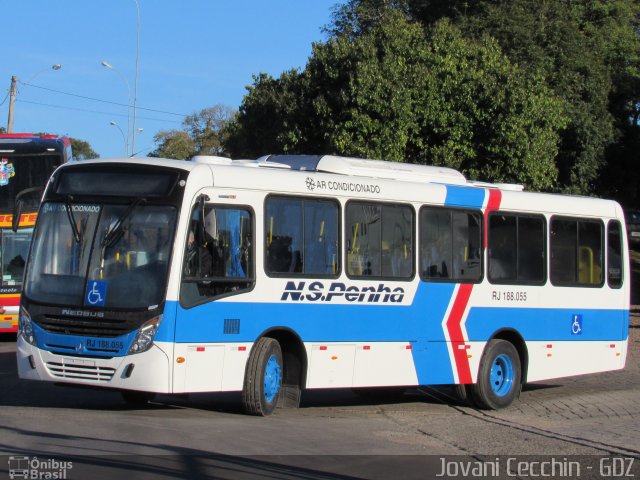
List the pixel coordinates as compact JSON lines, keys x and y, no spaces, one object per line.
{"x":499,"y":376}
{"x":263,"y":378}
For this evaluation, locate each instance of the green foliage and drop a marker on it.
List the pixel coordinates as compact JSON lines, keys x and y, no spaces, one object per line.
{"x":176,"y":144}
{"x":82,"y":150}
{"x":486,"y":117}
{"x":621,"y":174}
{"x":540,"y":92}
{"x":271,"y":117}
{"x":398,"y":92}
{"x":586,"y":51}
{"x":200,"y":135}
{"x":564,"y":41}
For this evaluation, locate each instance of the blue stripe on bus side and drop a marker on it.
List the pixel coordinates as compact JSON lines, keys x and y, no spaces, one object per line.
{"x":548,"y":324}
{"x":346,"y":323}
{"x":420,"y":324}
{"x":471,"y":197}
{"x":315,"y":322}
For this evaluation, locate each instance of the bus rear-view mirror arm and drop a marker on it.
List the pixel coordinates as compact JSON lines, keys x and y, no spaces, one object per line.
{"x":17,"y":205}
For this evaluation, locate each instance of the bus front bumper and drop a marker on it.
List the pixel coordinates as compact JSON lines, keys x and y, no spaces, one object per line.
{"x":148,"y":371}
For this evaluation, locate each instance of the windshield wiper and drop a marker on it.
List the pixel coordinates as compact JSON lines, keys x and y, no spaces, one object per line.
{"x":117,"y":229}
{"x":74,"y":226}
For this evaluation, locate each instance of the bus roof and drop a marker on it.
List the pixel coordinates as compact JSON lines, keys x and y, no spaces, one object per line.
{"x":31,"y":143}
{"x":407,"y":181}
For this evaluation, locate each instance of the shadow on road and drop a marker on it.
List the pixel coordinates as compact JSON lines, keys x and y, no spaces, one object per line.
{"x":107,"y":462}
{"x":26,"y":393}
{"x":7,"y":337}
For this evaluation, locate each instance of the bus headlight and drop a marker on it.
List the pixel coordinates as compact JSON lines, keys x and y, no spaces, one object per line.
{"x":25,"y":327}
{"x":144,"y":338}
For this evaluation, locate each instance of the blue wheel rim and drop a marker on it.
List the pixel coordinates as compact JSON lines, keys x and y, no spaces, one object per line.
{"x":502,"y":375}
{"x":272,"y":376}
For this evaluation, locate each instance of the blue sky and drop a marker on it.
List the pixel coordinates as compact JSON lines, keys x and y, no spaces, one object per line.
{"x":193,"y":54}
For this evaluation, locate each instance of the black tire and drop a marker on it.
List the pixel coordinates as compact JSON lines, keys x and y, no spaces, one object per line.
{"x":499,"y":376}
{"x":263,"y":378}
{"x":133,"y":397}
{"x":460,"y":394}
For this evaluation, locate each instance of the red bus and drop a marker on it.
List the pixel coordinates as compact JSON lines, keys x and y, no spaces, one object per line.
{"x":26,"y":162}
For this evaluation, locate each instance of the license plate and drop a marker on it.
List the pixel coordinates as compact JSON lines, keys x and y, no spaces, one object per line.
{"x":6,"y":324}
{"x":635,"y":234}
{"x":100,"y":344}
{"x":78,"y":361}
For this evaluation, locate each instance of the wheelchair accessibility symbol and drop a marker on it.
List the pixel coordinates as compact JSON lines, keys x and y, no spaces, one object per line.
{"x":96,"y":293}
{"x":576,"y":325}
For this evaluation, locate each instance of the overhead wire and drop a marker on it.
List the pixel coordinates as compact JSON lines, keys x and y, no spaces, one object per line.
{"x":93,"y":111}
{"x":5,"y":98}
{"x":101,"y":100}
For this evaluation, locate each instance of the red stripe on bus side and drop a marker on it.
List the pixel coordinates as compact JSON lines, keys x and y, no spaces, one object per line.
{"x":495,"y":197}
{"x":455,"y":320}
{"x":454,"y":328}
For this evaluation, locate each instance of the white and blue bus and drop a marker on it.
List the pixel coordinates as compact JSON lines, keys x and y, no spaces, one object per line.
{"x":286,"y":273}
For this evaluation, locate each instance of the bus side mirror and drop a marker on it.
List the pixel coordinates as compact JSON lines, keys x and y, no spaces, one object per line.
{"x":17,"y":213}
{"x":19,"y":204}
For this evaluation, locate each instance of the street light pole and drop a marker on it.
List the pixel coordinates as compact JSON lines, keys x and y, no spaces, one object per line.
{"x":126,"y":146}
{"x":135,"y":88}
{"x":13,"y":93}
{"x":106,"y":64}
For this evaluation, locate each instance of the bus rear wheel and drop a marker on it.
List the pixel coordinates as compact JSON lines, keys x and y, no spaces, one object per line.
{"x":263,"y":378}
{"x":499,"y":376}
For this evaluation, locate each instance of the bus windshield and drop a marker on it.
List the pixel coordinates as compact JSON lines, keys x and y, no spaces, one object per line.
{"x":19,"y":172}
{"x":116,"y":256}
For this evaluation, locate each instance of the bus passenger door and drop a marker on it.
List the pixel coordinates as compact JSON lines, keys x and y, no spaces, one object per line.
{"x":217,"y":264}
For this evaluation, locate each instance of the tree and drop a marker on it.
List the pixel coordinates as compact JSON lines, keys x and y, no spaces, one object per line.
{"x":587,"y":52}
{"x":273,"y":117}
{"x":564,"y":42}
{"x":200,"y":135}
{"x":175,"y":144}
{"x":398,"y":92}
{"x":82,"y":150}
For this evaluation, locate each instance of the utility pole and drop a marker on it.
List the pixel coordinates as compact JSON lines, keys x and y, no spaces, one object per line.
{"x":12,"y":102}
{"x":135,"y":88}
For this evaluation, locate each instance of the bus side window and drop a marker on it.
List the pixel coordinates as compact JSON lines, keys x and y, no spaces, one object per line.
{"x":614,"y":254}
{"x":576,"y":252}
{"x":502,"y":248}
{"x":590,"y":253}
{"x":517,"y":248}
{"x":218,"y":256}
{"x":381,"y":240}
{"x":450,"y":245}
{"x":301,"y":236}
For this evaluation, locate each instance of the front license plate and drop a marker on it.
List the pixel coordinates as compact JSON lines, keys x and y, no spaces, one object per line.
{"x":100,"y":344}
{"x":78,"y":362}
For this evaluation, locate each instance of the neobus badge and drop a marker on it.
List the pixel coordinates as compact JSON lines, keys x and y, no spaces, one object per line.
{"x":318,"y":292}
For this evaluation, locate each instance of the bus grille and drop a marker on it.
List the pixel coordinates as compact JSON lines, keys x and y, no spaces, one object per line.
{"x":102,"y":327}
{"x":81,"y":372}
